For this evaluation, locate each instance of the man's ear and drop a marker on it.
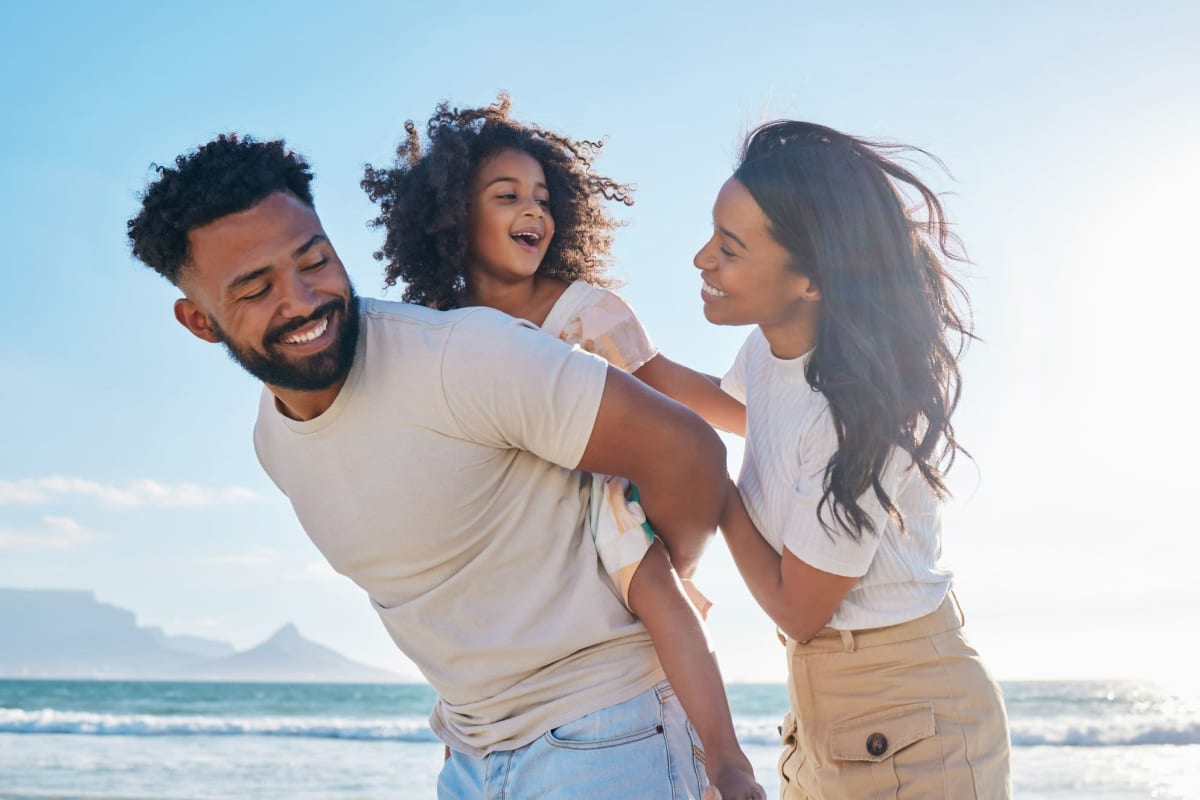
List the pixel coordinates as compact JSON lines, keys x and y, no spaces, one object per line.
{"x":192,"y":317}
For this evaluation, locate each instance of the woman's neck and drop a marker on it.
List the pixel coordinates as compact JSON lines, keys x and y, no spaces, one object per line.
{"x":529,"y":299}
{"x":795,"y":336}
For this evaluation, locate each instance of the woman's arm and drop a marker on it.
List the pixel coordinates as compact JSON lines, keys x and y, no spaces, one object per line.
{"x":699,"y":392}
{"x":800,"y":598}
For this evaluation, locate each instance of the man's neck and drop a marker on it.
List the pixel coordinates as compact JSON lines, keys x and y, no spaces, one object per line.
{"x":303,"y":406}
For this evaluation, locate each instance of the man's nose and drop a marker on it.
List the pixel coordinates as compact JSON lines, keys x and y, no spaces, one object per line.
{"x":300,"y":296}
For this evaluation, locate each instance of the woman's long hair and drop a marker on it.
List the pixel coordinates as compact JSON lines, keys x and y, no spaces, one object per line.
{"x":890,"y":330}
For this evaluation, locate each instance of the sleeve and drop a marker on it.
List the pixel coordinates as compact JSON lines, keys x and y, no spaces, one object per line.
{"x":834,"y":550}
{"x":608,"y":327}
{"x":507,"y":384}
{"x":734,"y":382}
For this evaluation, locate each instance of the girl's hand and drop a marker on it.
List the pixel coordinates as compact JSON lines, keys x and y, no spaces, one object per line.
{"x":732,"y":781}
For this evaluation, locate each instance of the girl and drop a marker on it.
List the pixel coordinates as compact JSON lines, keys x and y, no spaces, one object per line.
{"x":492,"y":212}
{"x":849,"y":383}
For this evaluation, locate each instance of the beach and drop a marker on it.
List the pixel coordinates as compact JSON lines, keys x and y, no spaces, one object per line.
{"x":1116,"y":740}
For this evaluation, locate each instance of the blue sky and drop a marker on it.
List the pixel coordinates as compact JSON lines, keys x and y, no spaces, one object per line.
{"x":125,"y":458}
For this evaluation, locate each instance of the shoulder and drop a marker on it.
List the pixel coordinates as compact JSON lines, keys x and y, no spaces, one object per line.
{"x":384,"y":317}
{"x":590,"y":305}
{"x":388,"y":313}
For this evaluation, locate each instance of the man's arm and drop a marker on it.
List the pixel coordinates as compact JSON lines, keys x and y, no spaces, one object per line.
{"x":673,"y":456}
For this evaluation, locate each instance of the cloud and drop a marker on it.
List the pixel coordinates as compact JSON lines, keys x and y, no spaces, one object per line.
{"x":315,"y":571}
{"x":58,"y":533}
{"x":256,"y":557}
{"x":137,"y":494}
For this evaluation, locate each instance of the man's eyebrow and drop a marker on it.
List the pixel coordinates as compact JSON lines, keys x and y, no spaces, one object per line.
{"x":255,"y":274}
{"x":731,"y":235}
{"x":304,"y":248}
{"x":246,"y":277}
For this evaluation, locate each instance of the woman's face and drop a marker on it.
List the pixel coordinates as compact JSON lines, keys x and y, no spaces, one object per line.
{"x":747,"y":277}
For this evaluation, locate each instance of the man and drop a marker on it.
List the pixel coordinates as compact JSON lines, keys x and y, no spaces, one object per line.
{"x":430,"y":455}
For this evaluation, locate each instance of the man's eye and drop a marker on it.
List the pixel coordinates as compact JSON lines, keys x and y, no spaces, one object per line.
{"x":256,"y":295}
{"x":315,"y":265}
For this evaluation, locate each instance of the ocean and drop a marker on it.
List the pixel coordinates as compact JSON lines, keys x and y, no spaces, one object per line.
{"x":1108,"y":740}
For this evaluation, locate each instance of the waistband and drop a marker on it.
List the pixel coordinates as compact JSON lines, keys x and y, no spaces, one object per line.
{"x":947,"y":617}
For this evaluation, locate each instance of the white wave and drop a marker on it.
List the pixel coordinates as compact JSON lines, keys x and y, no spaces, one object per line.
{"x":762,"y":730}
{"x":1115,"y":731}
{"x":44,"y":721}
{"x":1112,"y":732}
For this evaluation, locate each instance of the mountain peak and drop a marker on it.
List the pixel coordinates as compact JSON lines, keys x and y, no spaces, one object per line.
{"x":287,"y":634}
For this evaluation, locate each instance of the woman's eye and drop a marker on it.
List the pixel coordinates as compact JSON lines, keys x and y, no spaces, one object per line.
{"x":509,"y":196}
{"x":725,"y":251}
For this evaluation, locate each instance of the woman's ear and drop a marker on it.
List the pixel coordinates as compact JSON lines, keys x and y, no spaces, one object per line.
{"x":810,"y":292}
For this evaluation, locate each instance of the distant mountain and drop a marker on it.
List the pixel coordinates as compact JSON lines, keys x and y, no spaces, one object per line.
{"x":69,"y":634}
{"x":287,"y":656}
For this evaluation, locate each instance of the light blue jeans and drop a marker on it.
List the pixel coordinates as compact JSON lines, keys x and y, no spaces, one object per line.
{"x":642,"y":748}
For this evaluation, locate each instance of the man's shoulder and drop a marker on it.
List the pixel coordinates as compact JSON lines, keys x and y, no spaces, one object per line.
{"x":392,"y":314}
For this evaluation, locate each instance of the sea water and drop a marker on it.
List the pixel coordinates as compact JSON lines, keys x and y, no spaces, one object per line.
{"x":1111,"y":740}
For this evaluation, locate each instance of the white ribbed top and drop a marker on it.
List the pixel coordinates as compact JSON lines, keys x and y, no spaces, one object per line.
{"x":790,"y":438}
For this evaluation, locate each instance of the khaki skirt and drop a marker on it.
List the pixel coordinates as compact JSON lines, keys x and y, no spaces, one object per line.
{"x":907,"y":711}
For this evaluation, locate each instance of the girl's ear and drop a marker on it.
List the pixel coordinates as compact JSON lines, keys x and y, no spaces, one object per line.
{"x":810,"y":291}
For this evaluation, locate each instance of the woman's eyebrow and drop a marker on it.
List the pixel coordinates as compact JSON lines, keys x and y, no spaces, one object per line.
{"x":731,"y":235}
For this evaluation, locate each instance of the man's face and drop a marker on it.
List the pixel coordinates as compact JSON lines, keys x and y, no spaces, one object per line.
{"x":267,"y":283}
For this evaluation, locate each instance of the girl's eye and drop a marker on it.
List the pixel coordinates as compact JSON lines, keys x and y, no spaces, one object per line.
{"x":544,"y":203}
{"x":509,"y":196}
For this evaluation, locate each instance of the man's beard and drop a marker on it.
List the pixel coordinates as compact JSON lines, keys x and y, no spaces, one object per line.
{"x":312,"y":373}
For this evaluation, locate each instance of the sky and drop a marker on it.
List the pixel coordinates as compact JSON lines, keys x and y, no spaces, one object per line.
{"x":1069,"y":131}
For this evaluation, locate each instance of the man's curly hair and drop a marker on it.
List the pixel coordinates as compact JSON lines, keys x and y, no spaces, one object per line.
{"x":424,"y":198}
{"x":229,"y":174}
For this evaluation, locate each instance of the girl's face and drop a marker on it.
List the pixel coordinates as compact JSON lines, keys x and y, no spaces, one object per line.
{"x":509,"y":226}
{"x":747,"y":279}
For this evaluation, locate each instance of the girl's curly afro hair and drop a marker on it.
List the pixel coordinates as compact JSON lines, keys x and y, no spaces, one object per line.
{"x":424,"y":197}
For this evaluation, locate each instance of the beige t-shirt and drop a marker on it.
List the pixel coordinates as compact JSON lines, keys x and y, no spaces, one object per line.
{"x":433,"y":482}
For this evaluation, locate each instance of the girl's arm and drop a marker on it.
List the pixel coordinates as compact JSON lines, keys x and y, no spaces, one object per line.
{"x":800,"y":598}
{"x":699,"y":392}
{"x":657,"y":597}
